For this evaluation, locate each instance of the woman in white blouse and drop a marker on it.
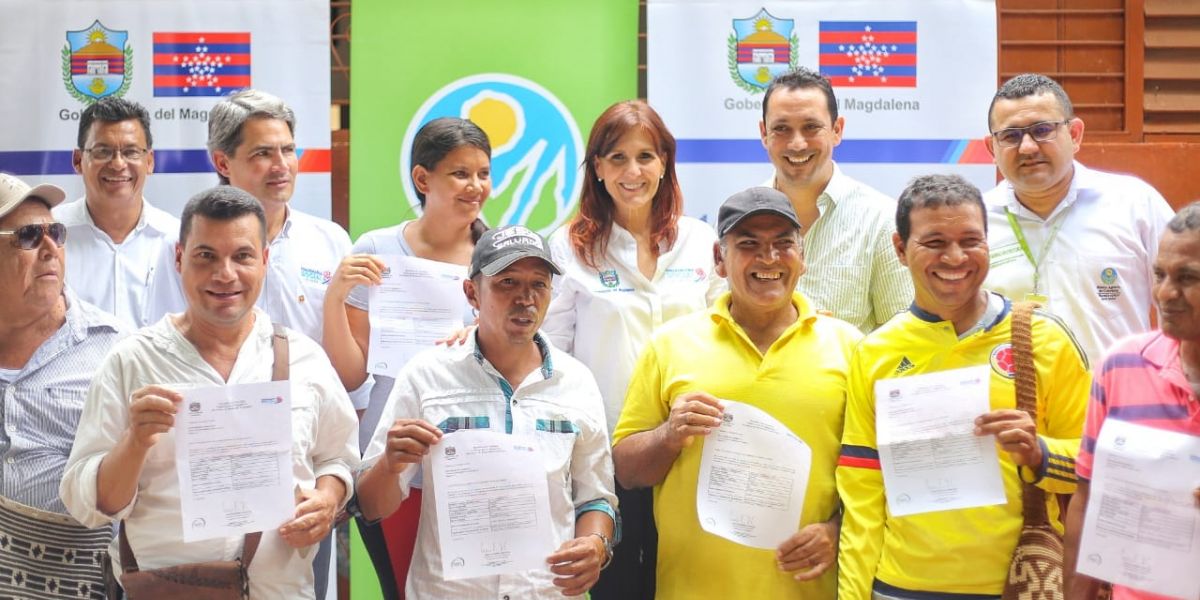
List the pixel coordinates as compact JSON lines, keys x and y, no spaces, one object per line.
{"x":631,"y":262}
{"x":451,"y":171}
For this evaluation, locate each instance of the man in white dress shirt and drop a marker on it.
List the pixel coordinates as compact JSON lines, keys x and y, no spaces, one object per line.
{"x":122,"y":466}
{"x":1078,"y":240}
{"x":115,"y":238}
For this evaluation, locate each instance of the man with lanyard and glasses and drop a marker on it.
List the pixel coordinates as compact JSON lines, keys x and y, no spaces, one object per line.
{"x":1080,"y":241}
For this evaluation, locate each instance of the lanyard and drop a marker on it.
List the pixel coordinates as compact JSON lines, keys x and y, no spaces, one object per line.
{"x":1020,"y":235}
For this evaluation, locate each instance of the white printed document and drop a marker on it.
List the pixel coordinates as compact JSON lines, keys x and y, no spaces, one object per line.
{"x":493,"y":504}
{"x":1142,"y":527}
{"x":753,"y":476}
{"x":233,"y":454}
{"x":419,"y":302}
{"x":931,"y":458}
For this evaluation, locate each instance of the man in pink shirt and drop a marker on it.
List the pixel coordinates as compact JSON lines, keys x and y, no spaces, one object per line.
{"x":1151,"y":379}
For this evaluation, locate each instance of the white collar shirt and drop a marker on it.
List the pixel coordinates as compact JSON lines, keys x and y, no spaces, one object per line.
{"x":851,"y":269}
{"x":117,"y":278}
{"x":558,"y":406}
{"x":1097,"y":270}
{"x":42,"y":402}
{"x":604,"y":316}
{"x":303,"y":258}
{"x":324,"y":442}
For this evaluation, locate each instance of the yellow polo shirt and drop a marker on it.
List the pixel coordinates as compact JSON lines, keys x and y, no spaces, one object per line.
{"x":801,"y":381}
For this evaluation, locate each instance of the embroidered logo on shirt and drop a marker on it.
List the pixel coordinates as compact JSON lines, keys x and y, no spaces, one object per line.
{"x":1002,"y":361}
{"x":904,"y":365}
{"x":694,"y":274}
{"x":609,"y":278}
{"x":316,"y":276}
{"x":1108,"y":290}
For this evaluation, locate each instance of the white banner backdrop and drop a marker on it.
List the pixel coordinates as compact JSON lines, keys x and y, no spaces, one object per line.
{"x":174,"y":58}
{"x":913,"y":79}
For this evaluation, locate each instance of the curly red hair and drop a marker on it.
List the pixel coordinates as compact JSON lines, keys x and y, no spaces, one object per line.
{"x":590,"y":228}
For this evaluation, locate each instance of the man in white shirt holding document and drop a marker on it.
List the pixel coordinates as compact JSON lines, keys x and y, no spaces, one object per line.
{"x":507,"y":385}
{"x":123,"y":466}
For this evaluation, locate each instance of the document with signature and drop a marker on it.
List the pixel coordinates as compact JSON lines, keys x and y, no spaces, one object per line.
{"x":1142,"y":527}
{"x":419,"y":302}
{"x":493,"y":504}
{"x":233,"y":455}
{"x":753,"y":476}
{"x":931,"y":458}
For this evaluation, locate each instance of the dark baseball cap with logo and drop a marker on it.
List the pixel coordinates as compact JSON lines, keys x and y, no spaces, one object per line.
{"x":753,"y":201}
{"x":500,"y":247}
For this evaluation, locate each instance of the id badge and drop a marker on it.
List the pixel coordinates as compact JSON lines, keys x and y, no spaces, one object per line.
{"x":1039,"y":298}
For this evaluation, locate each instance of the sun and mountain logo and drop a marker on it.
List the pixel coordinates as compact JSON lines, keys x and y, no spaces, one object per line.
{"x":760,"y":48}
{"x":536,"y":147}
{"x":97,"y":62}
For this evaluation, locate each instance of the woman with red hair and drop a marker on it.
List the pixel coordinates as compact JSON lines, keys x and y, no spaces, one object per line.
{"x":631,"y":262}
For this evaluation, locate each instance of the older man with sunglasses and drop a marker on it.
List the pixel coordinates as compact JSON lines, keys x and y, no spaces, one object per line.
{"x":51,"y":343}
{"x":1078,"y":240}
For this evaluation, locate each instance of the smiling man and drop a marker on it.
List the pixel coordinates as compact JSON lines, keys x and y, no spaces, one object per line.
{"x":1080,"y":241}
{"x":851,"y":270}
{"x":117,"y":241}
{"x":250,"y":138}
{"x":507,"y":379}
{"x":763,"y":344}
{"x":941,"y":236}
{"x":122,"y":466}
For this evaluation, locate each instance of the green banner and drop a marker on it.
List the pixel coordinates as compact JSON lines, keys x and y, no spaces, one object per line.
{"x":534,"y":74}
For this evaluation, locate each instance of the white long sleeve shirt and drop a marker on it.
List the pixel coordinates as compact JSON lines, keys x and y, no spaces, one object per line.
{"x":324,"y":442}
{"x":119,"y":278}
{"x":605,"y":316}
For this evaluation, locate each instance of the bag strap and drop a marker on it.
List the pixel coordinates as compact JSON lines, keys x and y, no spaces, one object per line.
{"x":1033,"y":499}
{"x":280,"y":371}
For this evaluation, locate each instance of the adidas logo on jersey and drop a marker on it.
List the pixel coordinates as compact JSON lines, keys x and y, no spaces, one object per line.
{"x":904,"y":365}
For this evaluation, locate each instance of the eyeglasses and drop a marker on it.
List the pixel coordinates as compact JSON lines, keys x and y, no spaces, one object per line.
{"x":28,"y":237}
{"x":129,"y":153}
{"x":1042,"y":131}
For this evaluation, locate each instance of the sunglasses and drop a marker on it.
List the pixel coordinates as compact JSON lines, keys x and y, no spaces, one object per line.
{"x":28,"y":237}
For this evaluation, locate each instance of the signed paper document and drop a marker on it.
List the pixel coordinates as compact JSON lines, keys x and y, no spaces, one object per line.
{"x":1142,"y":527}
{"x":233,"y":451}
{"x":493,"y":504}
{"x":419,"y":302}
{"x":753,"y":475}
{"x":931,"y":458}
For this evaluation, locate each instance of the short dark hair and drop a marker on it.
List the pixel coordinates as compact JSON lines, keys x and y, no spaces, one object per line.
{"x":1032,"y":84}
{"x":439,"y":137}
{"x":1187,"y":219}
{"x":221,"y":203}
{"x":802,"y":78}
{"x":935,"y":191}
{"x":114,"y":110}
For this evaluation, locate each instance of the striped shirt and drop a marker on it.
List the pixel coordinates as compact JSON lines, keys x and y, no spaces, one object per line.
{"x":851,"y":269}
{"x":1141,"y":381}
{"x":43,"y":401}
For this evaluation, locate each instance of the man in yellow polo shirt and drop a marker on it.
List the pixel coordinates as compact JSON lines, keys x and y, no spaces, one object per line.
{"x":762,"y":344}
{"x":941,"y":236}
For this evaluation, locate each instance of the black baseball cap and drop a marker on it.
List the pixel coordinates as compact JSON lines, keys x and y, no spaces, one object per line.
{"x":500,"y":247}
{"x":753,"y":201}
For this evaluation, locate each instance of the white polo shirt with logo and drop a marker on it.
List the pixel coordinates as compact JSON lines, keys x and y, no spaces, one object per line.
{"x":304,"y":256}
{"x":604,"y":317}
{"x":1098,"y":268}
